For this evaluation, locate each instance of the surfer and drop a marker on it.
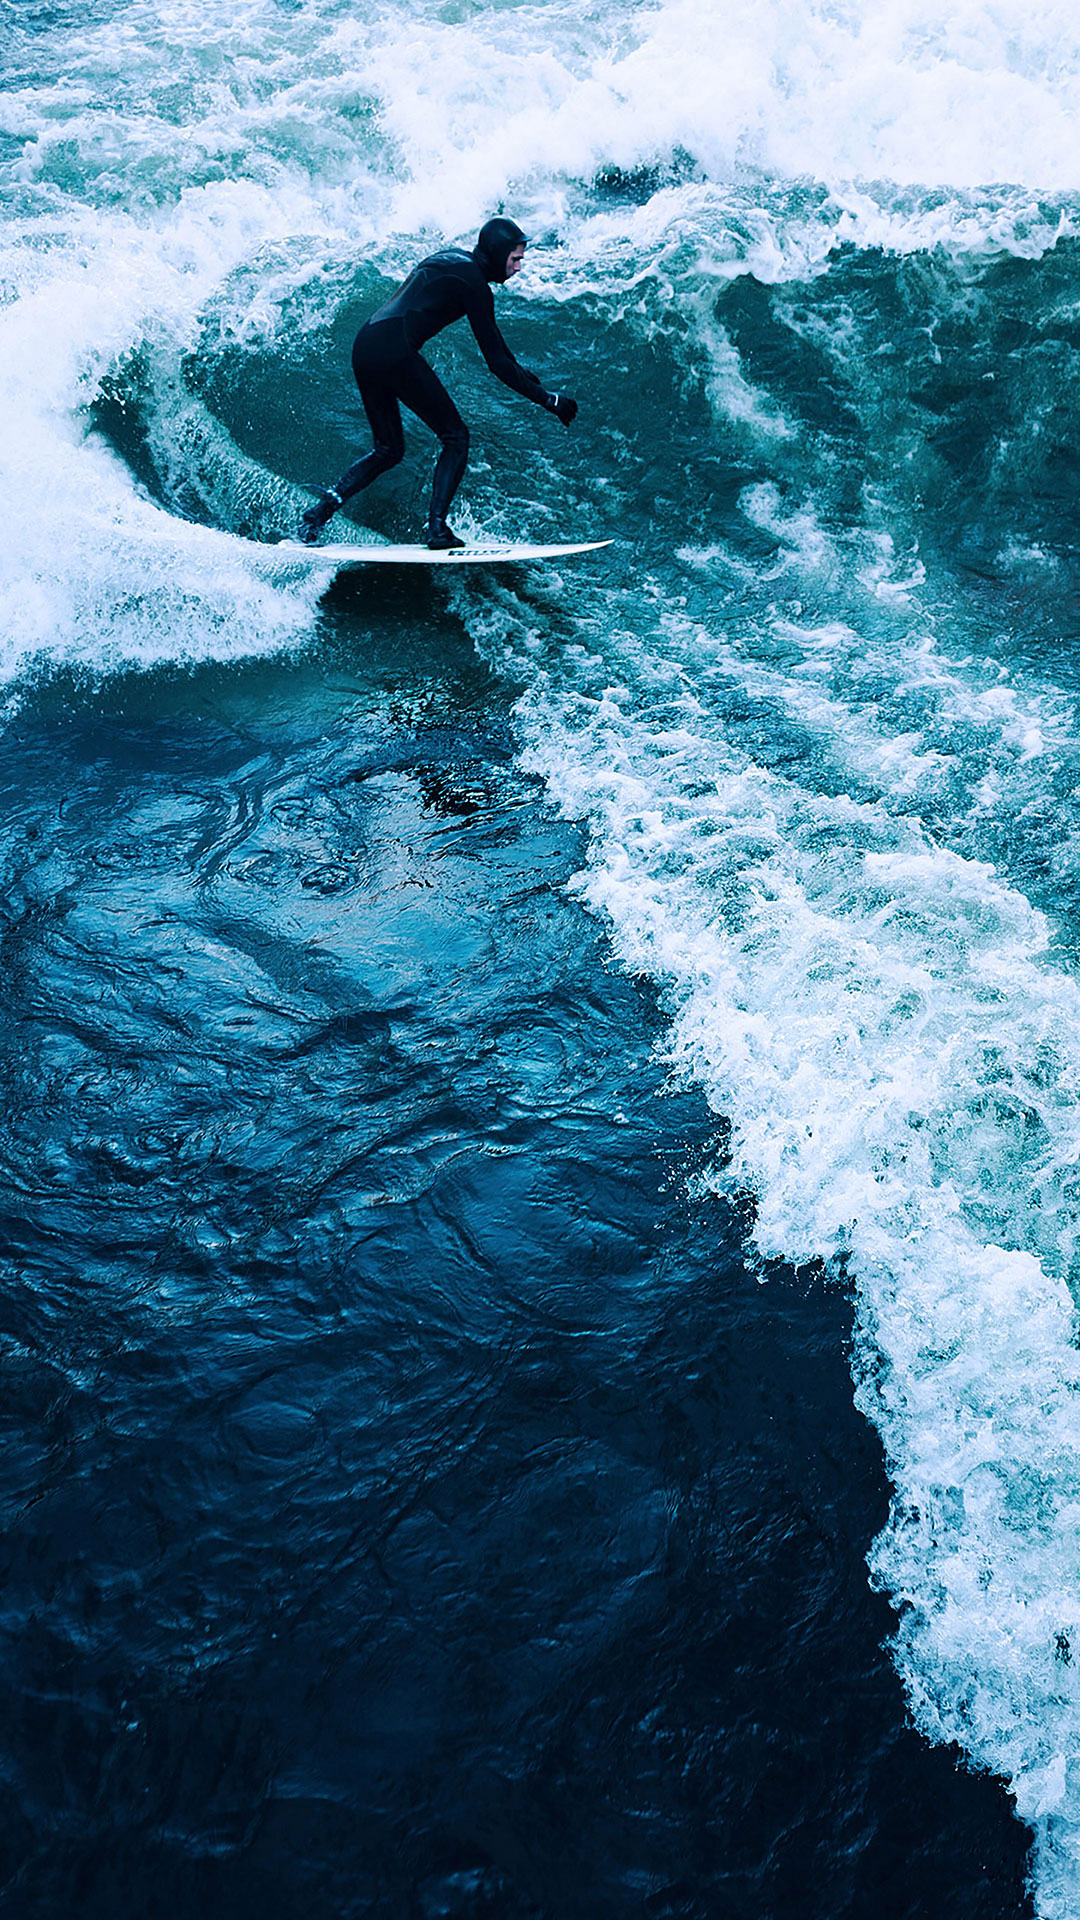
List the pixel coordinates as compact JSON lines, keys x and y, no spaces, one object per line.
{"x":391,"y":372}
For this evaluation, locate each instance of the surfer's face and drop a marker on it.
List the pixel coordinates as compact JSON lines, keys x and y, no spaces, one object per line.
{"x":514,"y":260}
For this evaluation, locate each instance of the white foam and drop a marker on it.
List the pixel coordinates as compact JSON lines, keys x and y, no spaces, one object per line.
{"x":170,"y":148}
{"x":903,"y":1069}
{"x":874,"y":699}
{"x":878,"y":1015}
{"x":796,"y":89}
{"x":880,"y":1020}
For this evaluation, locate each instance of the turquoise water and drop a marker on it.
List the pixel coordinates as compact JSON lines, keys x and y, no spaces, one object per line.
{"x":464,"y":1034}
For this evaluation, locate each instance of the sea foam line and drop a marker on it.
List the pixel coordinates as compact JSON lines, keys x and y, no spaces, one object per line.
{"x":901,"y":1064}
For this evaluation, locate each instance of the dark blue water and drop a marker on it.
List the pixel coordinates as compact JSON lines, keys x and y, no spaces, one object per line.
{"x":415,"y":1504}
{"x":541,"y":1109}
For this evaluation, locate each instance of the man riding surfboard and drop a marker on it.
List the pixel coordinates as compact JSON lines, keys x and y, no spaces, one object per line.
{"x":391,"y":372}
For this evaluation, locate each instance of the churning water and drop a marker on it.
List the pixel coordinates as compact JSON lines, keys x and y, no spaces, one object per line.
{"x":432,"y":1481}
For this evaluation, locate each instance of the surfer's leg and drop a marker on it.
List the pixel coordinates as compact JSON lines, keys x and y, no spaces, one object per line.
{"x":421,"y":390}
{"x":384,"y":417}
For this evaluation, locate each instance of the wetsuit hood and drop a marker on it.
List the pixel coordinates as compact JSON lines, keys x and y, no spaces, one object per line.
{"x":496,"y":241}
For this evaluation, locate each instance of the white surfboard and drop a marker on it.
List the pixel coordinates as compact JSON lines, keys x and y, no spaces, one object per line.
{"x":352,"y":554}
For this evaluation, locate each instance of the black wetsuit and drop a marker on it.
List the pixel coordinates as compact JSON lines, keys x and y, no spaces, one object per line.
{"x":391,"y":372}
{"x":390,"y":369}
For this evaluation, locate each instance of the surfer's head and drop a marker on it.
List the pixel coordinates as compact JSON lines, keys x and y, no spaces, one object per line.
{"x":499,"y":249}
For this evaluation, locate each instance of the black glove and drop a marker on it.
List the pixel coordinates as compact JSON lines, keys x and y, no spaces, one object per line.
{"x":562,"y":406}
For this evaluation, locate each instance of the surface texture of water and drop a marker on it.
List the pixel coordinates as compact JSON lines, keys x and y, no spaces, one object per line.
{"x":542,"y":1111}
{"x":413,"y":1502}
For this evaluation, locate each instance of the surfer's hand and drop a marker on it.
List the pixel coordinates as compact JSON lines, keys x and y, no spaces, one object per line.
{"x":562,"y":407}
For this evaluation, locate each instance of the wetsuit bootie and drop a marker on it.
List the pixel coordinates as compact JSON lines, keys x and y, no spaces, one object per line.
{"x":315,"y":518}
{"x":441,"y":538}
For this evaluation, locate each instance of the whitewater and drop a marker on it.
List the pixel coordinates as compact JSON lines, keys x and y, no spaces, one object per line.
{"x":813,"y":273}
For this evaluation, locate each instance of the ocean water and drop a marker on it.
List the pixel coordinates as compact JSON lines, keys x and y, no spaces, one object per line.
{"x":541,"y":1131}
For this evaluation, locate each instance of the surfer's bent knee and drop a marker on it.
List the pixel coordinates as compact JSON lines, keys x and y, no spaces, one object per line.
{"x":386,"y":456}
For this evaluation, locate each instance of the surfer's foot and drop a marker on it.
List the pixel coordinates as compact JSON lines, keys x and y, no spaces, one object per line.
{"x":440,"y":537}
{"x":315,"y":518}
{"x":313,"y":521}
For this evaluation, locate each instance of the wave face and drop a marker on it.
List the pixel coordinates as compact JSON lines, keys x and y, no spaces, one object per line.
{"x":815,"y":279}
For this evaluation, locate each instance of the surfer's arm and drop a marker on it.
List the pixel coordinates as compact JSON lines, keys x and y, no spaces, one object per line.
{"x":498,"y":355}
